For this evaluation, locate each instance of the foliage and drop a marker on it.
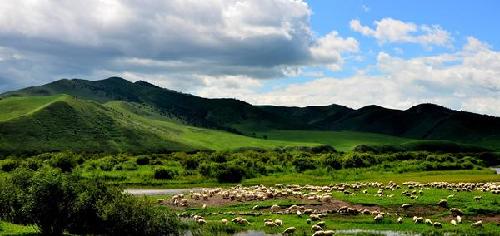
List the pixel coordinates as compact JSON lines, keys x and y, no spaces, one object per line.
{"x":58,"y":202}
{"x":164,"y":173}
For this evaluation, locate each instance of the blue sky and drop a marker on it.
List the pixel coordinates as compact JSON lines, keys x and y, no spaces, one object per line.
{"x":395,"y":54}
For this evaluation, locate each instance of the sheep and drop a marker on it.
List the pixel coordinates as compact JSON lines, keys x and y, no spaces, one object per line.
{"x":278,"y":222}
{"x":314,"y":217}
{"x":275,"y":208}
{"x":326,"y":198}
{"x":478,"y":198}
{"x":321,"y":223}
{"x":289,"y":230}
{"x":428,"y":221}
{"x":400,"y":220}
{"x":204,"y":206}
{"x":299,"y":214}
{"x":224,"y":221}
{"x":437,"y":225}
{"x":316,"y":228}
{"x":406,"y":206}
{"x":418,"y":220}
{"x":270,"y":224}
{"x":184,"y":202}
{"x":459,"y":219}
{"x":443,"y":203}
{"x":256,"y":207}
{"x":308,"y":221}
{"x":456,"y":211}
{"x":453,"y":222}
{"x":478,"y":223}
{"x":201,"y":221}
{"x":378,"y":218}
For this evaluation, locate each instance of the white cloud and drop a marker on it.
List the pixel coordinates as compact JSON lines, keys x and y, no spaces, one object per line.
{"x":389,"y":30}
{"x":465,"y":80}
{"x":261,"y":39}
{"x":327,"y":50}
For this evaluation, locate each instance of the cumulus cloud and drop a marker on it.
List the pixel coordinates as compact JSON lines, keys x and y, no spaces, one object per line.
{"x":260,"y":39}
{"x":389,"y":30}
{"x":464,"y":80}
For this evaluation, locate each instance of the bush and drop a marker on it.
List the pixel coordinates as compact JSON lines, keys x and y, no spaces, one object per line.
{"x":163,"y":173}
{"x":143,"y":160}
{"x":229,"y":174}
{"x":304,"y":163}
{"x":56,"y":202}
{"x":65,"y":162}
{"x":8,"y":165}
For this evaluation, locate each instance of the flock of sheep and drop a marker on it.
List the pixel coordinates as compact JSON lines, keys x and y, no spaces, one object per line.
{"x":323,"y":195}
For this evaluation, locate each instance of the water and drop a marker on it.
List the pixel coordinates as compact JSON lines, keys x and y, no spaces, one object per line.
{"x":343,"y":231}
{"x":160,"y":191}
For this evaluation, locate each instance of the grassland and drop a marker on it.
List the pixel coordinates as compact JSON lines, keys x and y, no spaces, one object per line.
{"x":341,"y":140}
{"x":13,"y":107}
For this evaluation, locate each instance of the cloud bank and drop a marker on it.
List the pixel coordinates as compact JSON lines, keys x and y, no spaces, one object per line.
{"x":233,"y":48}
{"x":261,"y":39}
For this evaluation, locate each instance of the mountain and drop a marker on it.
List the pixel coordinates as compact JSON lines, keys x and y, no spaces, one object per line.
{"x":425,"y":121}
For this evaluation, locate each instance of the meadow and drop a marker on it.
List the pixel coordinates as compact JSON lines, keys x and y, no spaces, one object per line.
{"x":281,"y":168}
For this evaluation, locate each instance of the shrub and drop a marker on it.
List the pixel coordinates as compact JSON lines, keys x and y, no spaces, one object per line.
{"x":229,"y":174}
{"x":302,"y":164}
{"x":56,"y":202}
{"x":143,"y":160}
{"x":163,"y":173}
{"x":8,"y":165}
{"x":65,"y":162}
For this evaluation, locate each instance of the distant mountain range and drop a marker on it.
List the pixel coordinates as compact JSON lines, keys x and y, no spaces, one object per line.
{"x":425,"y":121}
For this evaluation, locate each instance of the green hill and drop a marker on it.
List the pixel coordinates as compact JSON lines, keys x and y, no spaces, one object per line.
{"x":53,"y":123}
{"x":422,"y":122}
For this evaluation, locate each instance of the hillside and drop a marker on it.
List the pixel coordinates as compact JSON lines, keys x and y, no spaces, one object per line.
{"x":425,"y":121}
{"x":52,"y":123}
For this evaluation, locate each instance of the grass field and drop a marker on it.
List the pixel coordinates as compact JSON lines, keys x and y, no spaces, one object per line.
{"x":193,"y":136}
{"x":13,"y":107}
{"x":341,"y":140}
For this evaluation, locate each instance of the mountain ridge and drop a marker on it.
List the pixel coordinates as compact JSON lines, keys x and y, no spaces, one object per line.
{"x":423,"y":121}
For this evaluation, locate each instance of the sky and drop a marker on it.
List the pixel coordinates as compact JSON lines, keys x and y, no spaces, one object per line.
{"x":395,"y":54}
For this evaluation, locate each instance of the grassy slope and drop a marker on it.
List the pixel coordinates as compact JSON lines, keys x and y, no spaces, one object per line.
{"x":13,"y":107}
{"x":341,"y":140}
{"x":37,"y":124}
{"x":193,"y":136}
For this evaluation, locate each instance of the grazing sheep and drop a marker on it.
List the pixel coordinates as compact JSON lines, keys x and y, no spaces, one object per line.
{"x":321,"y":223}
{"x":319,"y":233}
{"x":418,"y":220}
{"x":255,"y":207}
{"x":275,"y":207}
{"x":204,"y":206}
{"x":308,"y":221}
{"x":478,"y":223}
{"x":478,"y":198}
{"x":378,"y":218}
{"x":450,"y":196}
{"x":400,"y":220}
{"x":315,"y":217}
{"x":453,"y":222}
{"x":278,"y":222}
{"x":428,"y":221}
{"x":456,"y":211}
{"x":406,"y":206}
{"x":437,"y":225}
{"x":289,"y":230}
{"x":270,"y":224}
{"x":443,"y":203}
{"x":224,"y":221}
{"x":459,"y":219}
{"x":299,"y":214}
{"x":328,"y":233}
{"x":316,"y":228}
{"x":201,"y":221}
